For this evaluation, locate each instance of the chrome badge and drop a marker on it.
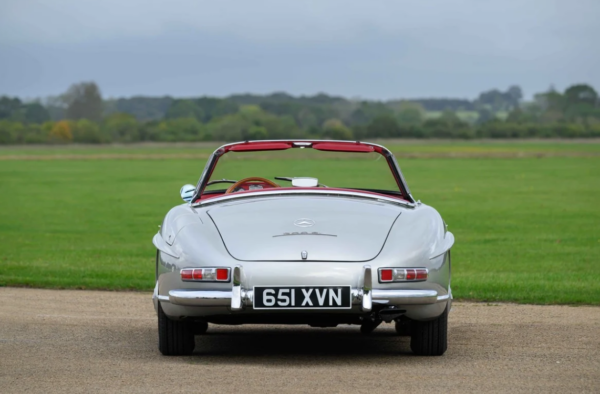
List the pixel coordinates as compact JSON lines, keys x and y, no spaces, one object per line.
{"x":303,"y":233}
{"x":304,"y":254}
{"x":304,"y":222}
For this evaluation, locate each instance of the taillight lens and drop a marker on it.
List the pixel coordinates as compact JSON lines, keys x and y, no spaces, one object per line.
{"x":222,"y":273}
{"x":205,"y":274}
{"x":386,"y":275}
{"x":403,"y":274}
{"x":422,"y":274}
{"x":187,"y":274}
{"x":197,"y":274}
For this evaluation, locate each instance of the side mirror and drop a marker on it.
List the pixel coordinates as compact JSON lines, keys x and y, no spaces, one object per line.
{"x":187,"y":192}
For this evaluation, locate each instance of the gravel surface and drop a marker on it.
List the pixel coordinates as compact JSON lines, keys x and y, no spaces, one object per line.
{"x":91,"y":341}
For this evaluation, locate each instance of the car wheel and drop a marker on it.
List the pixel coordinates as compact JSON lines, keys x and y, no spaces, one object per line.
{"x":175,"y":338}
{"x":430,"y":338}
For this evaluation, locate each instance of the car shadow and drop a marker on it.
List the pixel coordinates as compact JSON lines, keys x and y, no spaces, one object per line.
{"x":297,"y":345}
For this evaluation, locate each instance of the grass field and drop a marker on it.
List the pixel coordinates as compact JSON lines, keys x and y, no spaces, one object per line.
{"x":526,"y":215}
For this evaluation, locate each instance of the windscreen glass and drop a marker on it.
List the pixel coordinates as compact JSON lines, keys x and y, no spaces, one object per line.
{"x":332,"y":169}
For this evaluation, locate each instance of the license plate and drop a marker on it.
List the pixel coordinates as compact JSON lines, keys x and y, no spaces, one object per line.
{"x":302,"y":297}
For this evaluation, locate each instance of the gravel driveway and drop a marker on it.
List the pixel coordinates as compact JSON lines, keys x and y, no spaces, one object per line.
{"x":91,"y":341}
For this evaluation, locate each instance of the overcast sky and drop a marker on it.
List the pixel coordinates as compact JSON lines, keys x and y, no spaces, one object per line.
{"x":372,"y":49}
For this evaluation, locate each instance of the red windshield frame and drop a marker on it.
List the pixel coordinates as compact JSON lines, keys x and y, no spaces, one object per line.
{"x":331,"y":146}
{"x":323,"y":145}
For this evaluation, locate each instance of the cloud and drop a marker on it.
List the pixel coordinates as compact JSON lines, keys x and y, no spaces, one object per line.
{"x":374,"y":49}
{"x":302,"y":21}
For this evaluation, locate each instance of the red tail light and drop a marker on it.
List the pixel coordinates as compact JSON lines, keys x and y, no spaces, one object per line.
{"x":422,"y":274}
{"x":187,"y":274}
{"x":403,"y":274}
{"x":197,"y":274}
{"x":205,"y":274}
{"x":222,"y":273}
{"x":386,"y":275}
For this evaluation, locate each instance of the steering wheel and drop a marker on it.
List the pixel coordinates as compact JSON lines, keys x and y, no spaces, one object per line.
{"x":248,"y":180}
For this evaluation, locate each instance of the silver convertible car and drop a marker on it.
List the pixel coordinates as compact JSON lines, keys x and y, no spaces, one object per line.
{"x":302,"y":232}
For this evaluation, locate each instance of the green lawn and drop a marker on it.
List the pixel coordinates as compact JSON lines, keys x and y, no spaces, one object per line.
{"x":527,"y":229}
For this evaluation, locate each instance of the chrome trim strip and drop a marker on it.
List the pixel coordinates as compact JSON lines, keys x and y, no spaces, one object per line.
{"x":163,"y":298}
{"x":270,"y":193}
{"x":364,"y":296}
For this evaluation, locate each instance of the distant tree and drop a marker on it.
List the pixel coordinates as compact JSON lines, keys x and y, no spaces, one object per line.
{"x":8,"y":132}
{"x":61,"y":132}
{"x":182,"y":129}
{"x":83,"y":101}
{"x":251,"y":122}
{"x":550,"y":100}
{"x":215,"y":107}
{"x":497,"y":101}
{"x":581,"y":94}
{"x":519,"y":115}
{"x":336,"y":130}
{"x":36,"y":113}
{"x":581,"y":103}
{"x":369,"y":110}
{"x":9,"y":106}
{"x":143,"y":108}
{"x":410,"y":114}
{"x":485,"y":115}
{"x":515,"y":95}
{"x":258,"y":133}
{"x":121,"y":128}
{"x":56,"y":107}
{"x":184,"y":109}
{"x":441,"y":104}
{"x":87,"y":132}
{"x":493,"y":99}
{"x":447,"y":125}
{"x":383,"y":126}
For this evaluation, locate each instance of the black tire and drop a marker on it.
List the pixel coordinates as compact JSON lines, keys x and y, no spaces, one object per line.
{"x":430,"y":338}
{"x":175,"y":338}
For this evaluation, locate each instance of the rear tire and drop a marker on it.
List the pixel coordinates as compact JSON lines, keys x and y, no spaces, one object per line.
{"x":430,"y":338}
{"x":175,"y":338}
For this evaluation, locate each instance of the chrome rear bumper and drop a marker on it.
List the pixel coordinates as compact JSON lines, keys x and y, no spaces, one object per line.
{"x":238,"y":297}
{"x":225,"y":298}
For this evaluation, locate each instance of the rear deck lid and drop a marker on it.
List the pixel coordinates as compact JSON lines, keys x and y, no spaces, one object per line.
{"x":326,"y":228}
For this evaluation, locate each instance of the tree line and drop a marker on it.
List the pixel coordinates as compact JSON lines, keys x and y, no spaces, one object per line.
{"x":81,"y":115}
